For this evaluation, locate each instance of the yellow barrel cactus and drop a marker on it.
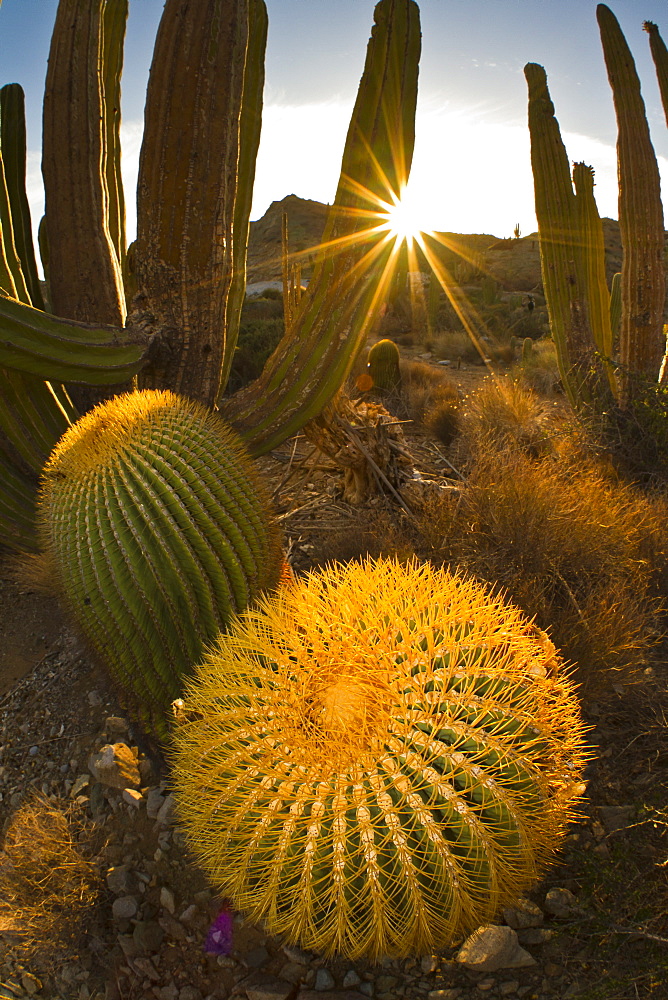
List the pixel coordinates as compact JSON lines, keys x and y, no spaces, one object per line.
{"x":377,"y":758}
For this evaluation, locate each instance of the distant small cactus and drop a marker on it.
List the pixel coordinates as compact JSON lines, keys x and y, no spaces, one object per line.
{"x":527,"y":349}
{"x":383,"y":365}
{"x":377,"y":759}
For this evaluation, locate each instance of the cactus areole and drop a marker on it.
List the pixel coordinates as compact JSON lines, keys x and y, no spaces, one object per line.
{"x":377,"y":759}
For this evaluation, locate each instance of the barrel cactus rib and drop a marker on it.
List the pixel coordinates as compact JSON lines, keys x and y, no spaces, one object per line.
{"x":642,"y":342}
{"x":177,"y":538}
{"x":376,"y":759}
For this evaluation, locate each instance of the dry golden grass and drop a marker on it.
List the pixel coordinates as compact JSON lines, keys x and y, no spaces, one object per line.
{"x":48,"y":884}
{"x":540,"y":371}
{"x":583,"y":554}
{"x":502,"y":414}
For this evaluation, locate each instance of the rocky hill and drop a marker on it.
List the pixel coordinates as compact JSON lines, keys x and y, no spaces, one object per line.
{"x":515,"y":263}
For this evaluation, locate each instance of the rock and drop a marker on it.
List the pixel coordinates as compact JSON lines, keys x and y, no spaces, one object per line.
{"x":492,"y":947}
{"x":115,"y":765}
{"x":172,"y":927}
{"x":170,"y":992}
{"x":615,"y":817}
{"x":154,"y":802}
{"x":133,"y":797}
{"x":261,"y":987}
{"x":190,"y":993}
{"x":80,"y":783}
{"x":147,"y":935}
{"x":143,"y":966}
{"x":256,"y":957}
{"x":297,"y":954}
{"x":166,"y":813}
{"x":428,"y":963}
{"x":324,"y":980}
{"x":384,"y":984}
{"x":351,"y":979}
{"x":167,"y":900}
{"x":535,"y":935}
{"x":292,"y":972}
{"x":560,"y":902}
{"x":448,"y":994}
{"x":121,"y":880}
{"x":338,"y":995}
{"x":523,"y":914}
{"x":124,"y":908}
{"x":510,"y":986}
{"x":31,"y":984}
{"x":189,"y":915}
{"x":96,"y":799}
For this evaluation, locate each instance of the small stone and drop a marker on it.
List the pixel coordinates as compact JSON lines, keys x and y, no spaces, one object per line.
{"x":166,"y":814}
{"x":115,"y":726}
{"x":154,"y":802}
{"x":449,"y":994}
{"x":121,"y":880}
{"x":124,"y":908}
{"x":170,"y":992}
{"x":133,"y":797}
{"x":172,"y":927}
{"x":147,"y":935}
{"x":351,"y":979}
{"x":115,"y":765}
{"x":31,"y":984}
{"x":510,"y":986}
{"x":615,"y":817}
{"x":144,"y":967}
{"x":94,"y":699}
{"x":80,"y":783}
{"x":189,"y":915}
{"x":292,"y":972}
{"x":324,"y":980}
{"x":190,"y":993}
{"x":428,"y":963}
{"x":384,"y":984}
{"x":261,"y":987}
{"x":535,"y":935}
{"x":167,"y":899}
{"x":485,"y":984}
{"x":297,"y":955}
{"x":96,"y":800}
{"x":493,"y":947}
{"x":523,"y":914}
{"x":128,"y":946}
{"x":560,"y":902}
{"x":365,"y":988}
{"x":256,"y":957}
{"x":336,"y":995}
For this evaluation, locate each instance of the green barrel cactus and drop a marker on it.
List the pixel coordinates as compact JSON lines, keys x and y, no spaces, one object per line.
{"x":377,"y":758}
{"x":157,"y":531}
{"x":383,"y":365}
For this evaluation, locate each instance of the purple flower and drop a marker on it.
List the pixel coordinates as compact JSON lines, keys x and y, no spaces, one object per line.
{"x":219,"y":939}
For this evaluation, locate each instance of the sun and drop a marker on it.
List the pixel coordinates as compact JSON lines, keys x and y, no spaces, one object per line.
{"x":404,"y":217}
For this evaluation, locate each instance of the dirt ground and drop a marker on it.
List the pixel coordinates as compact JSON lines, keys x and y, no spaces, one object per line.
{"x":57,"y":708}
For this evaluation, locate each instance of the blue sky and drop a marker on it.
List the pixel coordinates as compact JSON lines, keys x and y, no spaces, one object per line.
{"x":471,"y":169}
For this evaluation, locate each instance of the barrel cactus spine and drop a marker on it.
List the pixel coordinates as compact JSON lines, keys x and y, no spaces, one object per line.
{"x":158,"y":531}
{"x":377,"y":759}
{"x":383,"y":365}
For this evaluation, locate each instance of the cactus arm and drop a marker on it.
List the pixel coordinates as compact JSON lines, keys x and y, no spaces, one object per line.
{"x":40,"y":344}
{"x":640,"y":212}
{"x":186,"y":193}
{"x":660,"y":56}
{"x":114,"y":19}
{"x":84,"y":273}
{"x":249,"y":141}
{"x":593,"y":257}
{"x":13,"y":146}
{"x":11,"y":273}
{"x":615,"y":304}
{"x":560,"y":245}
{"x":351,"y":276}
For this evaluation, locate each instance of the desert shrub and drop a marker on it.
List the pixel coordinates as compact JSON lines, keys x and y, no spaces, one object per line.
{"x":502,"y":413}
{"x":540,"y":371}
{"x":429,"y":397}
{"x":583,"y":554}
{"x":267,"y":306}
{"x":257,"y":339}
{"x":48,"y":884}
{"x":454,"y":345}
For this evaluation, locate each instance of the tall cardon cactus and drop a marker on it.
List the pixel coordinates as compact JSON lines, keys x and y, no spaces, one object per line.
{"x":202,"y":127}
{"x":157,"y":530}
{"x":572,"y":253}
{"x":377,"y":759}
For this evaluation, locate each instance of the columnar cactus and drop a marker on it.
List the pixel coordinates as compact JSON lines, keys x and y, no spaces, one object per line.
{"x":383,"y":365}
{"x":572,"y":254}
{"x":377,"y":758}
{"x":157,"y":530}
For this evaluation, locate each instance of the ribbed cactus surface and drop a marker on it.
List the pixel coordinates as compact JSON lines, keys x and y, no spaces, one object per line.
{"x":383,"y":365}
{"x":377,"y":758}
{"x":158,"y":531}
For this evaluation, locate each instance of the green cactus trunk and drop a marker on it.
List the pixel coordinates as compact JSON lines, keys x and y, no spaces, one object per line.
{"x":660,"y":57}
{"x":158,"y":531}
{"x":641,"y":342}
